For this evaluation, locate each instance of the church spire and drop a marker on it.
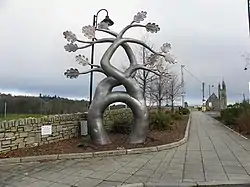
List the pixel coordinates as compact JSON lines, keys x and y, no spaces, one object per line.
{"x":223,"y":85}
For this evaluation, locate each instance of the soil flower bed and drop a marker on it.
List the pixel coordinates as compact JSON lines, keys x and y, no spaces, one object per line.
{"x":119,"y":141}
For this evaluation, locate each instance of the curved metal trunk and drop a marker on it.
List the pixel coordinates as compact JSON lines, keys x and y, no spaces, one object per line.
{"x":104,"y":97}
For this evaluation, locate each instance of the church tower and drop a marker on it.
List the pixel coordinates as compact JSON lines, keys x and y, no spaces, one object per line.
{"x":222,"y":93}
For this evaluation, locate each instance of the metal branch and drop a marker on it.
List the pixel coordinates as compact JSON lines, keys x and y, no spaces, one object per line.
{"x":104,"y":40}
{"x":108,"y":31}
{"x":140,"y":66}
{"x":131,"y":40}
{"x":128,"y":50}
{"x":127,"y":28}
{"x":93,"y":70}
{"x":94,"y":65}
{"x":85,"y":42}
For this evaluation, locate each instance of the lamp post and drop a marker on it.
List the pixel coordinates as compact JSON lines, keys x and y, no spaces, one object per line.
{"x":209,"y":89}
{"x":109,"y":22}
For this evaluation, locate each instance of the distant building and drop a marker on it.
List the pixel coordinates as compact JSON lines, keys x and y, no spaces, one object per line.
{"x":213,"y":103}
{"x":217,"y":103}
{"x":222,"y":91}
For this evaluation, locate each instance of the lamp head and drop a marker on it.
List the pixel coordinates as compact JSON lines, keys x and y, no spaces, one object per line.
{"x":108,"y":21}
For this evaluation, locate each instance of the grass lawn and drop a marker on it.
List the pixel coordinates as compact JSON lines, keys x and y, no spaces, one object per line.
{"x":18,"y":116}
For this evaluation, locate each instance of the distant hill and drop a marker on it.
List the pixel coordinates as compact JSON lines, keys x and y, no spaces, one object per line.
{"x":42,"y":104}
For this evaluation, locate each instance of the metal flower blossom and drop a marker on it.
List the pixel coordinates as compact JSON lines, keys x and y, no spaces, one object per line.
{"x":71,"y":47}
{"x":72,"y":73}
{"x":169,"y":58}
{"x":89,"y":31}
{"x":152,"y":27}
{"x":166,"y":47}
{"x":69,"y":36}
{"x":82,"y":60}
{"x":140,"y":16}
{"x":103,"y":25}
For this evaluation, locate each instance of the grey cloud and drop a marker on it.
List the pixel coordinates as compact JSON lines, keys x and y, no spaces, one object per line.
{"x":207,"y":36}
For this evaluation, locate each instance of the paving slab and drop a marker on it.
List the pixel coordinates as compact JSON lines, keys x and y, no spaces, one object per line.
{"x":212,"y":153}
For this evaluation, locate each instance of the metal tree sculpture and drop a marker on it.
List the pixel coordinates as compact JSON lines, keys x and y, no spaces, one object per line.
{"x":104,"y":96}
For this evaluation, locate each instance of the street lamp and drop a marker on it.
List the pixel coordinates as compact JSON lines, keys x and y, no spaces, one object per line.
{"x":107,"y":21}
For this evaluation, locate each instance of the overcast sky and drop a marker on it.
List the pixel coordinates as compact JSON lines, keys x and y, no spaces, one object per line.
{"x":207,"y":36}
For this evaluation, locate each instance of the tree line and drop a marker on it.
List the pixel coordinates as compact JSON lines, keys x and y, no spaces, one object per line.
{"x":42,"y":104}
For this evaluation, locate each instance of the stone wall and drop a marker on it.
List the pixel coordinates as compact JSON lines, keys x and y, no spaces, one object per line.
{"x":26,"y":132}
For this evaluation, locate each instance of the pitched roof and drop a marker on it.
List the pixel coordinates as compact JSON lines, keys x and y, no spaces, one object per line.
{"x":212,"y":97}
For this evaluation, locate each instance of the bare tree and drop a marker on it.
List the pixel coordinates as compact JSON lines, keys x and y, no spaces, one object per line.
{"x":143,"y":77}
{"x":158,"y":88}
{"x":174,"y":89}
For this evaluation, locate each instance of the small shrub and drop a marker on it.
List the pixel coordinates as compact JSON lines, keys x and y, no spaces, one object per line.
{"x":230,"y":115}
{"x":121,"y":127}
{"x":236,"y":114}
{"x":243,"y":123}
{"x":176,"y":116}
{"x":167,"y":111}
{"x":119,"y":121}
{"x":159,"y":121}
{"x":184,"y":111}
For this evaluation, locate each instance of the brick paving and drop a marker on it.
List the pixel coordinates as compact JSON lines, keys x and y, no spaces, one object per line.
{"x":212,"y":153}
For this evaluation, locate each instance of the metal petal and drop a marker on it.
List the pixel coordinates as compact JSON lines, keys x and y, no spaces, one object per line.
{"x":71,"y":47}
{"x":152,"y":27}
{"x":103,"y":25}
{"x":89,"y":31}
{"x":82,"y":60}
{"x":169,"y":58}
{"x":140,"y":16}
{"x":69,"y":36}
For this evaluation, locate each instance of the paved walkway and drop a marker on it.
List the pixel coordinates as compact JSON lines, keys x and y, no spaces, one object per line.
{"x":213,"y":153}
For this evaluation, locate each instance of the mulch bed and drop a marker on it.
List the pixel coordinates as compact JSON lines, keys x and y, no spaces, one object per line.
{"x":119,"y":141}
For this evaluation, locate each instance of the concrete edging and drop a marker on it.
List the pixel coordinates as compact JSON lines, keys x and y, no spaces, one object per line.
{"x":235,"y":132}
{"x":231,"y":129}
{"x":100,"y":153}
{"x":192,"y":184}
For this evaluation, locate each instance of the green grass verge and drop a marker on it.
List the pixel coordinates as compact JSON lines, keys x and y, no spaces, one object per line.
{"x":19,"y":116}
